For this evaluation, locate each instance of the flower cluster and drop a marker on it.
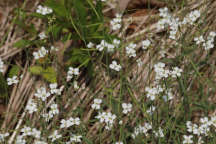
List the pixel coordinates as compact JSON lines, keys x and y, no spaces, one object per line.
{"x":130,"y":50}
{"x":70,"y":122}
{"x":210,"y":41}
{"x":44,"y":10}
{"x":42,"y":35}
{"x":54,"y":90}
{"x":3,"y":136}
{"x":72,"y":71}
{"x":153,"y":92}
{"x":106,"y":117}
{"x":191,"y":17}
{"x":139,"y":62}
{"x":1,"y":65}
{"x":145,"y":44}
{"x":199,"y":40}
{"x":13,"y":80}
{"x":161,"y":72}
{"x":40,"y":53}
{"x":174,"y":23}
{"x":115,"y":66}
{"x":31,"y":106}
{"x":142,"y":130}
{"x":74,"y":138}
{"x":42,"y":93}
{"x":105,"y":45}
{"x":116,"y":22}
{"x":159,"y":133}
{"x":126,"y":107}
{"x":53,"y":111}
{"x":54,"y":136}
{"x":96,"y":104}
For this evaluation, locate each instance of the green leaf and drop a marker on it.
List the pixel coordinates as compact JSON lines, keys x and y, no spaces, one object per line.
{"x":22,"y":43}
{"x":50,"y":75}
{"x":36,"y":70}
{"x":58,"y":8}
{"x":3,"y":87}
{"x":14,"y":71}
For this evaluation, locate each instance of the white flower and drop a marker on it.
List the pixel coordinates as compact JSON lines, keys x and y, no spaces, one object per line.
{"x":146,"y":44}
{"x":130,"y":50}
{"x":52,"y":48}
{"x":54,"y":90}
{"x":55,"y":136}
{"x":36,"y":133}
{"x":76,"y":87}
{"x":40,"y":142}
{"x":160,"y":70}
{"x":108,"y":118}
{"x":12,"y":80}
{"x":126,"y":107}
{"x":31,"y":106}
{"x":119,"y":142}
{"x":115,"y":66}
{"x":188,"y":139}
{"x":40,"y":53}
{"x":102,"y":45}
{"x":43,"y":10}
{"x":176,"y":72}
{"x":210,"y":41}
{"x":191,"y":17}
{"x":54,"y":109}
{"x":75,"y":138}
{"x":26,"y":131}
{"x":3,"y":136}
{"x":199,"y":40}
{"x":42,"y":94}
{"x":90,"y":45}
{"x":159,"y":133}
{"x":70,"y":122}
{"x":151,"y":110}
{"x":72,"y":71}
{"x":1,"y":65}
{"x":168,"y":95}
{"x":42,"y":35}
{"x":74,"y":121}
{"x":139,"y":62}
{"x":116,"y":42}
{"x":116,"y":22}
{"x":20,"y":140}
{"x":96,"y":104}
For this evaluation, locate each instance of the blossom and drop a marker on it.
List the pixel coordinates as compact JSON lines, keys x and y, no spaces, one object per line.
{"x":3,"y":136}
{"x":126,"y":107}
{"x":70,"y":122}
{"x":187,"y":139}
{"x":12,"y":80}
{"x":1,"y":65}
{"x":43,"y":10}
{"x":145,"y":44}
{"x":116,"y":22}
{"x":199,"y":40}
{"x":42,"y":35}
{"x":40,"y":53}
{"x":115,"y":66}
{"x":90,"y":45}
{"x":72,"y":71}
{"x":176,"y":72}
{"x":106,"y":117}
{"x":130,"y":50}
{"x":55,"y":136}
{"x":54,"y":90}
{"x":31,"y":106}
{"x":96,"y":104}
{"x":42,"y":93}
{"x":139,"y":62}
{"x":75,"y":138}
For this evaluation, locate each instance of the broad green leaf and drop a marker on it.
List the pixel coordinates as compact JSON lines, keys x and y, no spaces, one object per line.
{"x":3,"y":87}
{"x":22,"y":43}
{"x":14,"y":71}
{"x":50,"y":75}
{"x":36,"y":70}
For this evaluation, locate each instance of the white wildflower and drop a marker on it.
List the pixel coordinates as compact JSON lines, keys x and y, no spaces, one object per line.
{"x":115,"y":66}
